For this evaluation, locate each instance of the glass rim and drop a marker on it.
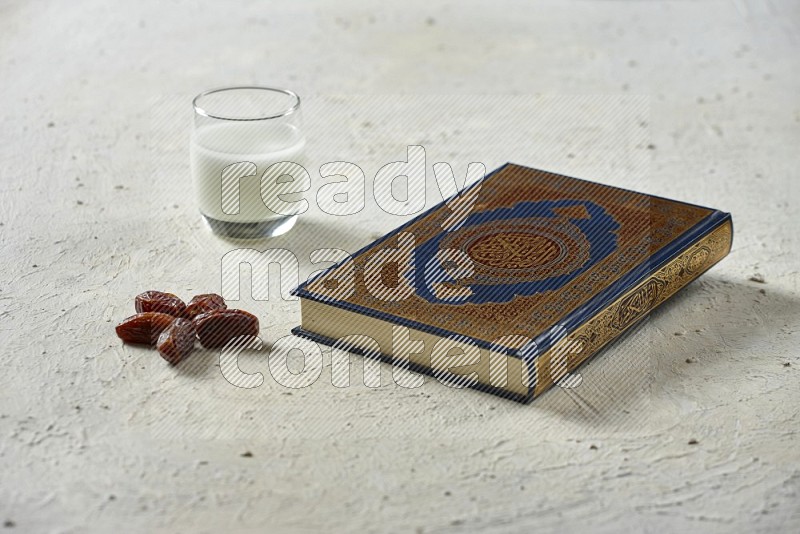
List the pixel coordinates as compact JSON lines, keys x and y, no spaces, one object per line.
{"x":200,"y":111}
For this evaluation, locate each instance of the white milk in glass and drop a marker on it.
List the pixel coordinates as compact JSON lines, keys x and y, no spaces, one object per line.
{"x":215,"y":147}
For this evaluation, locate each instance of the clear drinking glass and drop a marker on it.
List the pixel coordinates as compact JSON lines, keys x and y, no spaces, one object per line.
{"x":239,"y":134}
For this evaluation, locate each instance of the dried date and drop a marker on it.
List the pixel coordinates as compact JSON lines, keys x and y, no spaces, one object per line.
{"x":157,"y":301}
{"x":216,"y":328}
{"x":203,"y":304}
{"x":176,"y":342}
{"x":144,"y":327}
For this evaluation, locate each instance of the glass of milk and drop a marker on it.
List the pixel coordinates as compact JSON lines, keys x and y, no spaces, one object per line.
{"x":247,"y":161}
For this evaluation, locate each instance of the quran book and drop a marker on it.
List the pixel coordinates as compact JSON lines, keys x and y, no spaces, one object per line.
{"x":514,"y":282}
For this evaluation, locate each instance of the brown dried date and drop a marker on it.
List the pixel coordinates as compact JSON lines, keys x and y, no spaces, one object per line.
{"x":143,"y":327}
{"x":216,"y":328}
{"x":176,"y":342}
{"x":157,"y":301}
{"x":203,"y":304}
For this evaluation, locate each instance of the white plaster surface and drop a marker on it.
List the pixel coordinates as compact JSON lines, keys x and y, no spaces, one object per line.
{"x":692,"y":100}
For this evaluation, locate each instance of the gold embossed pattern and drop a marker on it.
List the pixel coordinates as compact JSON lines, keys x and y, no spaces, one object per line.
{"x":514,"y":250}
{"x":646,"y":224}
{"x":635,"y":304}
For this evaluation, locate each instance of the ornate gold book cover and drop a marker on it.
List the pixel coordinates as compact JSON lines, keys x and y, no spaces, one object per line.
{"x":525,"y":272}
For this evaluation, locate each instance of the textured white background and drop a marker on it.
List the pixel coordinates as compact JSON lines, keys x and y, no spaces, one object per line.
{"x":693,"y":100}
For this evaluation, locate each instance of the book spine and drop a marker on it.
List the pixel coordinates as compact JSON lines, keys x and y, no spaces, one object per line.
{"x":631,"y":307}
